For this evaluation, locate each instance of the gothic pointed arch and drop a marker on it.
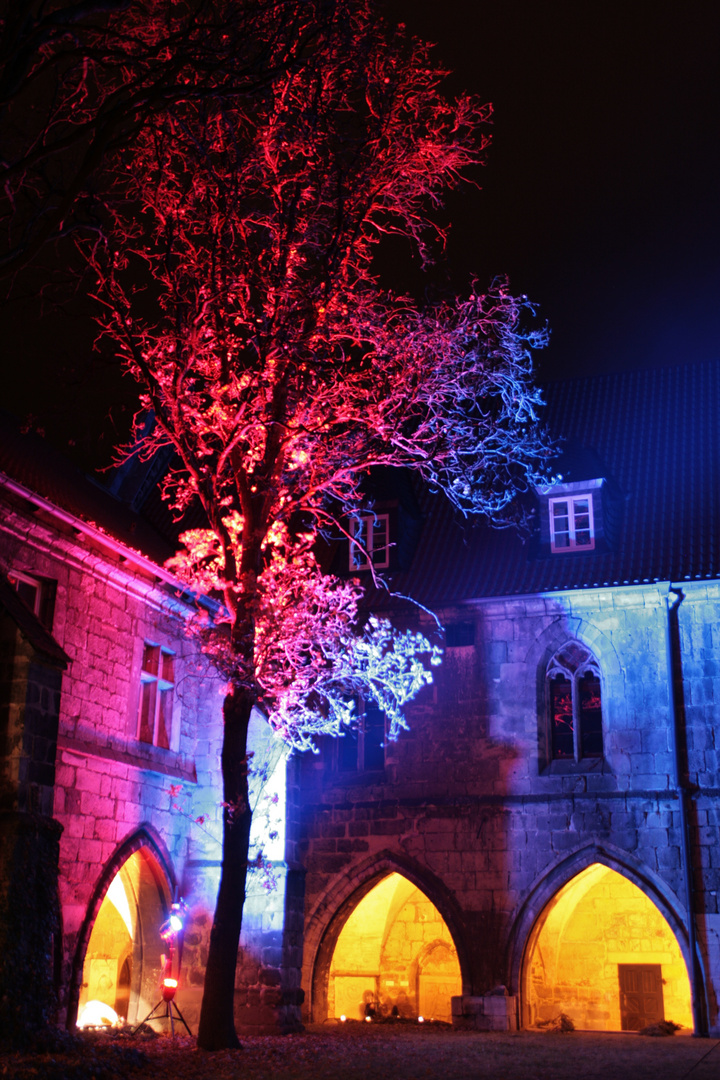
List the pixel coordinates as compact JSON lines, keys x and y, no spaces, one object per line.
{"x":325,"y":923}
{"x":560,"y":875}
{"x":159,"y":875}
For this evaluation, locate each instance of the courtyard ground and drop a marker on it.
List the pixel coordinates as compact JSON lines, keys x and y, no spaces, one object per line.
{"x":380,"y":1052}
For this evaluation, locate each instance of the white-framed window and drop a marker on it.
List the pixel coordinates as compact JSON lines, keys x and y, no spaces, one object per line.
{"x":28,"y":589}
{"x":370,"y":542}
{"x":572,"y":526}
{"x":574,"y":702}
{"x":36,"y":593}
{"x":157,"y":687}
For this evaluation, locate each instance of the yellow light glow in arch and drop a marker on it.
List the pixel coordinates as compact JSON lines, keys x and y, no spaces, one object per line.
{"x":395,"y":952}
{"x":602,"y":953}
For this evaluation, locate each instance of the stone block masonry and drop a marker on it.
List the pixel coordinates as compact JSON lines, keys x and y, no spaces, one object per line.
{"x":105,"y":786}
{"x":472,"y":807}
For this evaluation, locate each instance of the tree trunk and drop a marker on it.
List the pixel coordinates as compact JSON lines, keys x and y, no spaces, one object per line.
{"x":217,"y":1021}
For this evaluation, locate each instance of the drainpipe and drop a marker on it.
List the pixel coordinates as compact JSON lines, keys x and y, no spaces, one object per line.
{"x":674,"y":598}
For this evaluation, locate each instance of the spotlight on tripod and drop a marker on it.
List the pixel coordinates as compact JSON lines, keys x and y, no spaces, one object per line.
{"x":167,"y":1007}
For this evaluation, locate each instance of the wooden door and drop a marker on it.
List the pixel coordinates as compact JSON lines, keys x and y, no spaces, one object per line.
{"x":641,"y":996}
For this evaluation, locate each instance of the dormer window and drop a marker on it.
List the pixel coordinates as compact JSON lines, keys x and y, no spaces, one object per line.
{"x":37,"y":593}
{"x":370,"y":544}
{"x":572,"y":526}
{"x":575,"y":516}
{"x":28,"y":589}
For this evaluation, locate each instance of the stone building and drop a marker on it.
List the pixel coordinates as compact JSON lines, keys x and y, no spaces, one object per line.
{"x":555,"y":803}
{"x":110,"y":788}
{"x":544,"y":837}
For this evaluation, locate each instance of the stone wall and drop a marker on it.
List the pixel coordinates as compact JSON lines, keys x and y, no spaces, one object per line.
{"x":109,"y":787}
{"x":29,"y":838}
{"x":469,"y":805}
{"x":30,"y":694}
{"x":28,"y":924}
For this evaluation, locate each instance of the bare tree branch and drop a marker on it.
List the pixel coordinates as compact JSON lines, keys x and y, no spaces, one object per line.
{"x":79,"y":82}
{"x":278,"y":368}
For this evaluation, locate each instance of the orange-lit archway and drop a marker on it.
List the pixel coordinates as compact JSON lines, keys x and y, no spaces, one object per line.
{"x":121,"y":968}
{"x":394,"y":952}
{"x":602,"y":953}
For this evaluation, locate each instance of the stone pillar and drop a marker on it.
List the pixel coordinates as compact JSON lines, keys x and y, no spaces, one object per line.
{"x":496,"y":1011}
{"x":268,"y":992}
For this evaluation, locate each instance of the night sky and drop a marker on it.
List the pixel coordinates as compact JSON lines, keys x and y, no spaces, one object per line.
{"x":601,"y":192}
{"x":599,"y":199}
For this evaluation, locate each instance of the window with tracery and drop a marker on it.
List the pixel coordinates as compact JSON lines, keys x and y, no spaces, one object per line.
{"x":574,"y":697}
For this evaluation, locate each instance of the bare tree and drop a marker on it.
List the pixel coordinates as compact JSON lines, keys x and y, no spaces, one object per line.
{"x":81,"y":79}
{"x":245,"y":300}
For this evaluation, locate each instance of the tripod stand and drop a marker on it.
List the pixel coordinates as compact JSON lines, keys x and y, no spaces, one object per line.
{"x":169,"y":932}
{"x":169,"y":1006}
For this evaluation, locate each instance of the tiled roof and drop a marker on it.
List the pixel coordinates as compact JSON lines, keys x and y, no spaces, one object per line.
{"x":656,"y":434}
{"x":34,"y":463}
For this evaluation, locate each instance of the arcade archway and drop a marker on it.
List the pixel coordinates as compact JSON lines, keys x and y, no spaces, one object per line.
{"x":122,"y":967}
{"x":602,"y":953}
{"x":395,"y":955}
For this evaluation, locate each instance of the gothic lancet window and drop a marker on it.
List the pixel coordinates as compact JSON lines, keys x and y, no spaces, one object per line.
{"x":574,"y":700}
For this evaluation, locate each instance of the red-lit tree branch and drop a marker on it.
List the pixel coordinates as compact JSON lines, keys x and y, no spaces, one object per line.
{"x":81,"y":79}
{"x":244,"y":298}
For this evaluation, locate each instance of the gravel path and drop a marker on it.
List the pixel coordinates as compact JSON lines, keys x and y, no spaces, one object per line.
{"x":357,"y":1052}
